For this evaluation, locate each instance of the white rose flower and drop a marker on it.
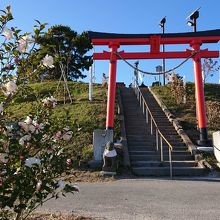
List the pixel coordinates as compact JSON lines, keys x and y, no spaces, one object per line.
{"x":24,"y":42}
{"x":28,"y":39}
{"x":29,"y":162}
{"x":67,"y":136}
{"x":28,"y":120}
{"x":48,"y":61}
{"x":21,"y":141}
{"x":49,"y":101}
{"x":32,"y":128}
{"x":57,"y":136}
{"x":10,"y":88}
{"x":60,"y":152}
{"x":1,"y":108}
{"x":4,"y":157}
{"x":38,"y":186}
{"x":24,"y":126}
{"x":66,"y":128}
{"x":24,"y":139}
{"x":9,"y":128}
{"x":37,"y":126}
{"x":22,"y":45}
{"x":7,"y":33}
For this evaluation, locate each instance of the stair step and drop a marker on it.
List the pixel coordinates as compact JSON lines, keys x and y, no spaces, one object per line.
{"x":152,"y":142}
{"x":143,"y":148}
{"x":165,"y":171}
{"x":154,"y":152}
{"x":187,"y":163}
{"x":153,"y":147}
{"x":156,"y":157}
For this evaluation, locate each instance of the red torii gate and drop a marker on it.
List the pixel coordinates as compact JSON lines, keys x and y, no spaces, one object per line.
{"x":194,"y":39}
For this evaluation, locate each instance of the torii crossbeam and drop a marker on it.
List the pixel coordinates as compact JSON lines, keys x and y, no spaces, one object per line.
{"x":193,"y":39}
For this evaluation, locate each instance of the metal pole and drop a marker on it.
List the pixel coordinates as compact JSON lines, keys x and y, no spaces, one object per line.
{"x":219,"y":76}
{"x":184,"y":86}
{"x":194,"y":24}
{"x":147,"y":116}
{"x":140,"y":100}
{"x":159,"y":79}
{"x":171,"y":165}
{"x":161,"y":149}
{"x":90,"y":84}
{"x":151,"y":126}
{"x":136,"y":72}
{"x":163,"y":28}
{"x":157,"y":140}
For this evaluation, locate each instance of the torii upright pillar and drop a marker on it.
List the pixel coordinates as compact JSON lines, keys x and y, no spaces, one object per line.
{"x":199,"y":96}
{"x":111,"y":86}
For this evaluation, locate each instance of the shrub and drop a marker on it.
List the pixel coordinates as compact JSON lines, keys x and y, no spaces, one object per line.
{"x":33,"y":156}
{"x":213,"y":113}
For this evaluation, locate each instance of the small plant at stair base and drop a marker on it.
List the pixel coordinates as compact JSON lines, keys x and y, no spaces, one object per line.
{"x":213,"y":113}
{"x":177,"y":88}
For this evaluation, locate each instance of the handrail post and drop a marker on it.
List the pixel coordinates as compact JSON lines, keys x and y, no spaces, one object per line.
{"x":140,"y":100}
{"x":147,"y":116}
{"x":157,"y":140}
{"x":171,"y":165}
{"x":151,"y":126}
{"x":143,"y":108}
{"x":161,"y":149}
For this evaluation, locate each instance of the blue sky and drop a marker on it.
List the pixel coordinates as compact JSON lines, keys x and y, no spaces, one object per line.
{"x":121,"y":16}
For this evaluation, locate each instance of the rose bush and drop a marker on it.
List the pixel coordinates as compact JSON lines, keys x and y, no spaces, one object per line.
{"x":33,"y":157}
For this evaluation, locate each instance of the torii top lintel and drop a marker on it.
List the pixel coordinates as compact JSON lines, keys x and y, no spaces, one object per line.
{"x":209,"y":36}
{"x":194,"y":39}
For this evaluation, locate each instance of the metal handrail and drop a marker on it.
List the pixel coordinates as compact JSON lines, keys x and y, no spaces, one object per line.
{"x":159,"y":136}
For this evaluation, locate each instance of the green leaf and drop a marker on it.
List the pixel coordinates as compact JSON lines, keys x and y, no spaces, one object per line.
{"x":8,"y":8}
{"x":37,"y":31}
{"x":38,"y":21}
{"x":9,"y":17}
{"x":3,"y":11}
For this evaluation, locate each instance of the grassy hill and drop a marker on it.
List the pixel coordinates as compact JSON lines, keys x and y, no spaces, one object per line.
{"x":82,"y":115}
{"x":186,"y":113}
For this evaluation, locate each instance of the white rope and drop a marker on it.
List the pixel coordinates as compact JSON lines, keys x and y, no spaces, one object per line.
{"x":153,"y":73}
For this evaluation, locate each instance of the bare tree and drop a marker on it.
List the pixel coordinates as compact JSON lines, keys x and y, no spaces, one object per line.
{"x":209,"y":67}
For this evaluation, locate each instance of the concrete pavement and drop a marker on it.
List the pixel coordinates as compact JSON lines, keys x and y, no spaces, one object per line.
{"x":140,"y":199}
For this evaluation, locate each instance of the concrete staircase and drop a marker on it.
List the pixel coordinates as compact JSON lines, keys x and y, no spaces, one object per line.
{"x":145,"y":159}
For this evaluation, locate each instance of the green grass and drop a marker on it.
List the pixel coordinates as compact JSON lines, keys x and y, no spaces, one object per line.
{"x":186,"y":113}
{"x":81,"y":115}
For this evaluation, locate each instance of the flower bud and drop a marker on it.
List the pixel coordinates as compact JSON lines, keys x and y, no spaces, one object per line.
{"x":21,"y":157}
{"x":9,"y":67}
{"x":39,"y":185}
{"x":68,"y":162}
{"x":17,"y":60}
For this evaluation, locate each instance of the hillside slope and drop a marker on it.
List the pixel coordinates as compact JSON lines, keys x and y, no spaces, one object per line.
{"x":82,"y":116}
{"x":186,"y":113}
